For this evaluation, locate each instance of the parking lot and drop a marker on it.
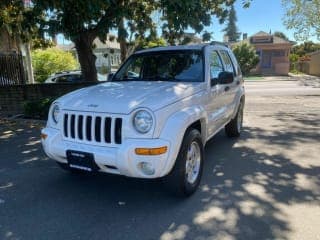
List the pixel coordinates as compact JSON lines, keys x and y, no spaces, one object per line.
{"x":264,"y":185}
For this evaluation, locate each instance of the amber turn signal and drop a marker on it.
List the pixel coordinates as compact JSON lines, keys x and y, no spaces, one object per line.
{"x":43,"y":136}
{"x":151,"y":151}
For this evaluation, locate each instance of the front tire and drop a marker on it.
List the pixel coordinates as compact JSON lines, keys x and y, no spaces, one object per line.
{"x":233,"y":128}
{"x":185,"y":177}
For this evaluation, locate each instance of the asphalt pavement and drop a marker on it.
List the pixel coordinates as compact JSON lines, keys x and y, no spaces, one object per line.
{"x":264,"y":185}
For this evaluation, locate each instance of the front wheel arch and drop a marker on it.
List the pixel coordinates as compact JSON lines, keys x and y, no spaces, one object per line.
{"x":177,"y":179}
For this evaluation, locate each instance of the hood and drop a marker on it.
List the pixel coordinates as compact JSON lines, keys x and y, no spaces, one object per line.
{"x":124,"y":97}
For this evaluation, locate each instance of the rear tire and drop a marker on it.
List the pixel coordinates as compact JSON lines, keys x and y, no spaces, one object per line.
{"x":185,"y":177}
{"x":233,"y":128}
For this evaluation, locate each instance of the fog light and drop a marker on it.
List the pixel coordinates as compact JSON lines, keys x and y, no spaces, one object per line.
{"x":146,"y":168}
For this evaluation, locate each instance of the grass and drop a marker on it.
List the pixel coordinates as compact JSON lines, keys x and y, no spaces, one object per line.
{"x":253,"y":77}
{"x":296,"y":72}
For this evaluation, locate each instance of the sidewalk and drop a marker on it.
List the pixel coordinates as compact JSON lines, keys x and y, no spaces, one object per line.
{"x":302,"y":79}
{"x":307,"y":80}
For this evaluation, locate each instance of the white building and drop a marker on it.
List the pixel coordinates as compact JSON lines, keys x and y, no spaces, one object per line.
{"x":108,"y":53}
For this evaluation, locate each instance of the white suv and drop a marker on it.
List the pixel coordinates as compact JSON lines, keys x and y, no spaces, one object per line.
{"x":154,"y":123}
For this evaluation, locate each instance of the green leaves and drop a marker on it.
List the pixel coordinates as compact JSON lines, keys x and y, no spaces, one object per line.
{"x":231,"y":30}
{"x":20,"y":21}
{"x":246,"y":56}
{"x":82,"y":21}
{"x":303,"y":17}
{"x":179,"y":16}
{"x":51,"y":60}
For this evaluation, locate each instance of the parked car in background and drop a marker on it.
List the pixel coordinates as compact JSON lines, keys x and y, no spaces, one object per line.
{"x":71,"y":77}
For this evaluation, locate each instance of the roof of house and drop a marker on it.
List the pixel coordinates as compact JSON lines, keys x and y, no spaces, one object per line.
{"x":276,"y":40}
{"x":107,"y":44}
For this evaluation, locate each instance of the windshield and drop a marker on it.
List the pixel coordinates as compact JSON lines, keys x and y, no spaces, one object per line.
{"x":180,"y":66}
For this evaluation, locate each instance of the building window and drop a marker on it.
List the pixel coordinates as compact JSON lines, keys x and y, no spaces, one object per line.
{"x":279,"y":53}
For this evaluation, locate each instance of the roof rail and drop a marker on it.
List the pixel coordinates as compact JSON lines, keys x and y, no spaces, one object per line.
{"x":219,"y":43}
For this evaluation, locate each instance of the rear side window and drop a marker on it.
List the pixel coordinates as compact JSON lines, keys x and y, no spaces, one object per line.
{"x":216,"y":66}
{"x":235,"y":64}
{"x":227,"y":62}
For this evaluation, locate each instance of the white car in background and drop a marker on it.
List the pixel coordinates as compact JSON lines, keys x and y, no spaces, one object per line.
{"x":71,"y":77}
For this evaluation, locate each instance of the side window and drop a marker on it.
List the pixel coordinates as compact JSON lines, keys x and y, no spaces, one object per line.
{"x":235,"y":64}
{"x":227,"y":62}
{"x":216,"y":66}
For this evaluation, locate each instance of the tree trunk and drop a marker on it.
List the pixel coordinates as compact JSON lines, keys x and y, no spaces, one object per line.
{"x":87,"y":59}
{"x":123,"y":50}
{"x":122,"y":40}
{"x":29,"y":63}
{"x":8,"y":43}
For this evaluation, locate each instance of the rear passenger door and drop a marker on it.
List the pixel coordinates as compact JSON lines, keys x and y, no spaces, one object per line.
{"x":216,"y":109}
{"x":230,"y":90}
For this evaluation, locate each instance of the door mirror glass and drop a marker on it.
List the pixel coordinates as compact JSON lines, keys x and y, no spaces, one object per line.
{"x":225,"y":78}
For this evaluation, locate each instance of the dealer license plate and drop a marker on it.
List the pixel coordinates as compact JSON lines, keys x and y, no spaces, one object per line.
{"x":81,"y":160}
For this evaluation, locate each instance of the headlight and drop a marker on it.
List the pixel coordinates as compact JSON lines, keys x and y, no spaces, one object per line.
{"x":55,"y":113}
{"x":142,"y":121}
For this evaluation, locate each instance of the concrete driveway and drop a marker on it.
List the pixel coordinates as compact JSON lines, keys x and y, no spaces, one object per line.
{"x":264,"y":185}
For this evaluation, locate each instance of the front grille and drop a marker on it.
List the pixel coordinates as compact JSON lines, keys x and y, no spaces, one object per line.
{"x":100,"y":129}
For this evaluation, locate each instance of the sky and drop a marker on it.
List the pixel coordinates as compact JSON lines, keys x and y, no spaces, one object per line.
{"x":262,"y":15}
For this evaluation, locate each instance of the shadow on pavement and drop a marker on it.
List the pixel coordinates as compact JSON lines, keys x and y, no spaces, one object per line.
{"x":240,"y":195}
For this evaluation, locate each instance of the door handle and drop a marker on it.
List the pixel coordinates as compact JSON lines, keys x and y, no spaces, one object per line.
{"x":227,"y":88}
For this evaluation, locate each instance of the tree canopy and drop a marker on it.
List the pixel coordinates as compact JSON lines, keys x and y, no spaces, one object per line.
{"x":19,"y":20}
{"x":82,"y":21}
{"x":231,"y":29}
{"x":303,"y":17}
{"x":305,"y":48}
{"x":281,"y":35}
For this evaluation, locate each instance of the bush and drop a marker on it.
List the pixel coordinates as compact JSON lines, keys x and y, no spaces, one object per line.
{"x":293,"y":58}
{"x":51,"y":60}
{"x":246,"y":56}
{"x":37,"y":109}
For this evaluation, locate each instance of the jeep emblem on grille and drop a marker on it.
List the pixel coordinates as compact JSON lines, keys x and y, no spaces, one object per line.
{"x":93,"y":105}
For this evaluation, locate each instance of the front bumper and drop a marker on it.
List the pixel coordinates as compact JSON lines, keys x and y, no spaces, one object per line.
{"x":118,"y":160}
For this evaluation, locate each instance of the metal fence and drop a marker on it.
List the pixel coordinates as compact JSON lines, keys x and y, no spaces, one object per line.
{"x":11,"y":69}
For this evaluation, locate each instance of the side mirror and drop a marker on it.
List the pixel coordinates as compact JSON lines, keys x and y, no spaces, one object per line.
{"x":110,"y":76}
{"x":225,"y":78}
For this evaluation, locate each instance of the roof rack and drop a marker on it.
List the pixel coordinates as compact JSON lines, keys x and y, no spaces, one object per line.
{"x":219,"y":43}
